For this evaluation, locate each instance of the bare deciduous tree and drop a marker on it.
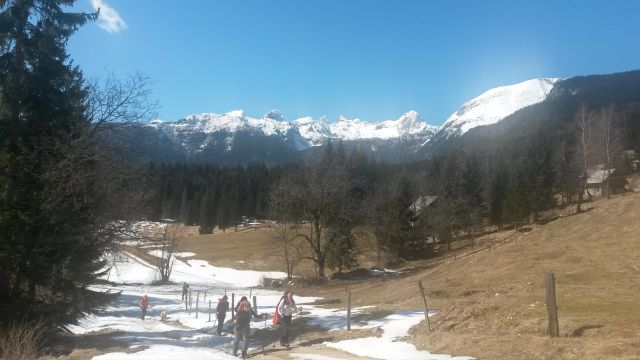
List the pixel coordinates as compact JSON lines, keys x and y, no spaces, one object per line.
{"x":320,"y":194}
{"x":115,"y":102}
{"x":284,"y":233}
{"x":165,"y":244}
{"x":610,"y":144}
{"x":583,"y":125}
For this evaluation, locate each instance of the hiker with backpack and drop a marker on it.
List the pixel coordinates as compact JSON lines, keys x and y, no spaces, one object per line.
{"x":144,"y":305}
{"x":286,"y":308}
{"x":221,"y":311}
{"x":244,"y":311}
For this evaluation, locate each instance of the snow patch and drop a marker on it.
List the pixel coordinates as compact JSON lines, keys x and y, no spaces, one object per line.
{"x":132,"y":269}
{"x":394,"y":327}
{"x":167,"y":352}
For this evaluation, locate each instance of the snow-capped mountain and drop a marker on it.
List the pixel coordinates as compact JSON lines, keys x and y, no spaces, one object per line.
{"x":303,"y":133}
{"x":208,"y":123}
{"x":235,"y":135}
{"x":409,"y":124}
{"x":314,"y":131}
{"x":199,"y":131}
{"x":236,"y":138}
{"x":495,"y":105}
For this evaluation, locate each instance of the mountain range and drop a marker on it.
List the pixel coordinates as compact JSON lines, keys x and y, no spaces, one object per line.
{"x":238,"y":138}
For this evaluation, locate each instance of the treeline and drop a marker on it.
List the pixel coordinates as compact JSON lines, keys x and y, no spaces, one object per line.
{"x":208,"y":195}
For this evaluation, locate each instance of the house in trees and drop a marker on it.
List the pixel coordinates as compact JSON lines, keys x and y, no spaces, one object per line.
{"x":633,"y":160}
{"x":599,"y":180}
{"x":422,"y":203}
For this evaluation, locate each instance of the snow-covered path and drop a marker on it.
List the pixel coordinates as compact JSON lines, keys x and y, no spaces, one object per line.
{"x":183,"y":336}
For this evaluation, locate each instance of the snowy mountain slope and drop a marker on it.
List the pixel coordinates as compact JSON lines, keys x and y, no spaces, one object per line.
{"x":494,"y":105}
{"x":411,"y":123}
{"x":233,"y":121}
{"x":235,"y":137}
{"x":313,"y":131}
{"x":302,"y":133}
{"x":199,"y":132}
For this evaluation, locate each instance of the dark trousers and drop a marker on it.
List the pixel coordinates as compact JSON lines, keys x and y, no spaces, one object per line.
{"x":220,"y":323}
{"x":144,"y":312}
{"x":285,"y":325}
{"x":242,"y":334}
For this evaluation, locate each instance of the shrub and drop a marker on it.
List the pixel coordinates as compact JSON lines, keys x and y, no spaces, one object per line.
{"x":21,"y":340}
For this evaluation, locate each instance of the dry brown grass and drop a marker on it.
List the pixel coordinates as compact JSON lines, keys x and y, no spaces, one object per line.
{"x":254,"y":249}
{"x":21,"y":340}
{"x":491,"y":304}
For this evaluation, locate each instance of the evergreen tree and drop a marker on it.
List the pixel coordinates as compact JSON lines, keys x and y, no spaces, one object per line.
{"x":395,"y":221}
{"x":342,"y":254}
{"x":53,"y":221}
{"x":208,"y":213}
{"x":497,"y":195}
{"x":541,"y":179}
{"x":517,"y":206}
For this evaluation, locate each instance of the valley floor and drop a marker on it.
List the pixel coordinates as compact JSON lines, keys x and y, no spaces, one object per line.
{"x":319,"y":333}
{"x":490,"y":299}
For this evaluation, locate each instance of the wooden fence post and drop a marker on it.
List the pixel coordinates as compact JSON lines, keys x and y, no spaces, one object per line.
{"x":552,"y":309}
{"x":426,"y":310}
{"x":197,"y":302}
{"x":348,"y":310}
{"x":255,"y":304}
{"x":233,"y":306}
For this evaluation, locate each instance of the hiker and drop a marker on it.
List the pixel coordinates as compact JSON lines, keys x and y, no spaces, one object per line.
{"x":243,"y":329}
{"x":286,"y":308}
{"x":185,"y":291}
{"x":221,"y":310}
{"x":144,"y":305}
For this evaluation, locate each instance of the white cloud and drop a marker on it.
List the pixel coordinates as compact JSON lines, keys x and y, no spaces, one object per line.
{"x":109,"y":18}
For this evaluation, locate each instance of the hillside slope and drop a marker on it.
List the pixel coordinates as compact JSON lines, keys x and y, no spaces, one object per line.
{"x":492,"y":304}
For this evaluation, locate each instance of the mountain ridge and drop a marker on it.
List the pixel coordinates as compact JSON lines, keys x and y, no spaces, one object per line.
{"x":236,"y":137}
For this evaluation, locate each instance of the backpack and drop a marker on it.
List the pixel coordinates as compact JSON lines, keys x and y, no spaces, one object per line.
{"x":222,"y":307}
{"x":244,"y":312}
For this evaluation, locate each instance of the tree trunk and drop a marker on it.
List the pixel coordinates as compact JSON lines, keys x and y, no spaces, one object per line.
{"x":583,"y":187}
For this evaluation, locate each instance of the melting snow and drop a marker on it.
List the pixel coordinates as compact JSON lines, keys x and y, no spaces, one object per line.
{"x":184,"y":336}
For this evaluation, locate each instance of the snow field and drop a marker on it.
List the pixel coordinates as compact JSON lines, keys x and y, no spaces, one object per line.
{"x":183,"y":336}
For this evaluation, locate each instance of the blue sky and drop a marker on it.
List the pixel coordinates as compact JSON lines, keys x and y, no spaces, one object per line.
{"x":373,"y":60}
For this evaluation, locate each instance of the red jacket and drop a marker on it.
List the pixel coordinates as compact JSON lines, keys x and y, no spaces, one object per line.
{"x":144,"y":303}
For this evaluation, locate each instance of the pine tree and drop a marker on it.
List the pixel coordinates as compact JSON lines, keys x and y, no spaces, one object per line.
{"x":395,"y":221}
{"x":51,"y":209}
{"x":541,"y":179}
{"x":497,"y":195}
{"x":208,"y":215}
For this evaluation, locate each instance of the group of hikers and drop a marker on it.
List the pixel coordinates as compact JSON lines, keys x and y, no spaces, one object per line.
{"x":285,"y":309}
